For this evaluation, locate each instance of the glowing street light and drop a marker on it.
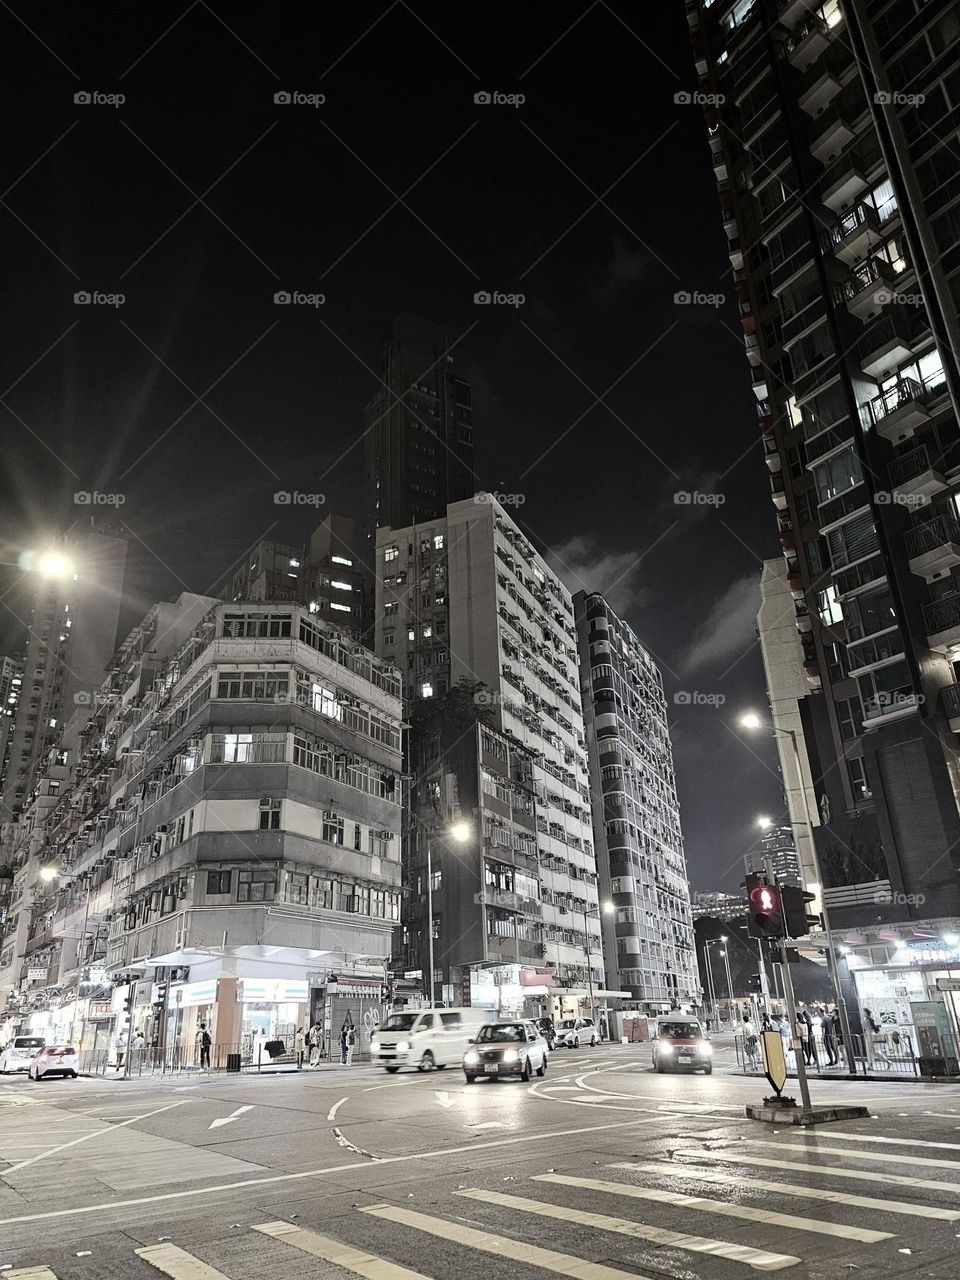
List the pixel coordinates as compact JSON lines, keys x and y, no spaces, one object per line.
{"x":764,"y":822}
{"x":461,"y":832}
{"x":48,"y":873}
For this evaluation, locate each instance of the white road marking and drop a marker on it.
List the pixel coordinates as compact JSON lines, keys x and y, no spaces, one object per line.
{"x":759,"y":1259}
{"x":192,"y":1192}
{"x":332,"y":1113}
{"x":15,"y":1168}
{"x":443,"y":1099}
{"x":561,"y":1264}
{"x":396,"y":1084}
{"x":884,"y":1157}
{"x":234,"y":1115}
{"x":341,"y":1255}
{"x":826,"y":1171}
{"x":910,"y":1208}
{"x":178,"y":1263}
{"x":29,"y":1273}
{"x":490,"y":1124}
{"x":721,"y":1207}
{"x":900,"y":1142}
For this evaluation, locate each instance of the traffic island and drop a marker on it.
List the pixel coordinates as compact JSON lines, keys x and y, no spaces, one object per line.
{"x":778,"y":1110}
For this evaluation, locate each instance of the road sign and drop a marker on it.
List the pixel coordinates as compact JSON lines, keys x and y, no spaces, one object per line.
{"x":774,"y":1061}
{"x":948,"y":984}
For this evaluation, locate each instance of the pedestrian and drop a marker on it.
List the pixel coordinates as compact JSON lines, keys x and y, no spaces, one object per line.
{"x":351,"y":1043}
{"x":809,"y":1047}
{"x":120,"y":1046}
{"x":299,"y":1041}
{"x":751,"y":1042}
{"x":137,"y":1046}
{"x":204,"y":1043}
{"x":829,"y":1038}
{"x":344,"y":1035}
{"x":783,"y":1026}
{"x":316,"y":1044}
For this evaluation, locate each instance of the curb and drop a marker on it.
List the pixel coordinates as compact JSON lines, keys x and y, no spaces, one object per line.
{"x":797,"y":1116}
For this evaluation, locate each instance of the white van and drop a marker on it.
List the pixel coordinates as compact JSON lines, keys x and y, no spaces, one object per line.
{"x":427,"y":1038}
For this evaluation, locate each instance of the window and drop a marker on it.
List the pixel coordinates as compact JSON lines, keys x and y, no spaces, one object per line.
{"x":256,"y":886}
{"x":219,"y":881}
{"x":426,"y":689}
{"x":261,"y":685}
{"x":237,"y":747}
{"x":849,"y":717}
{"x":829,"y":607}
{"x":450,"y":1021}
{"x":325,"y":701}
{"x":438,"y":542}
{"x":837,"y":475}
{"x":342,"y":560}
{"x":341,"y":586}
{"x":391,"y":552}
{"x":340,"y":608}
{"x":358,"y":837}
{"x":858,"y":780}
{"x":332,"y":830}
{"x":270,"y":815}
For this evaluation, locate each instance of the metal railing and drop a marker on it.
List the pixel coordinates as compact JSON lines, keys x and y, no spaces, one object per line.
{"x":244,"y":1057}
{"x":910,"y":465}
{"x":934,"y":533}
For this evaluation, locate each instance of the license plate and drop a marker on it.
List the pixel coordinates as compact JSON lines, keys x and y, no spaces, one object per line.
{"x":684,"y":1057}
{"x":492,"y":1068}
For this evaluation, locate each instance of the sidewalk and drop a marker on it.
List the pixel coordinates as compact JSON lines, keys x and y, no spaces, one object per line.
{"x":221,"y":1073}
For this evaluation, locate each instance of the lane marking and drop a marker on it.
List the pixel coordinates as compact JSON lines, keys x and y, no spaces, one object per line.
{"x":911,"y":1208}
{"x":826,"y":1171}
{"x":759,"y":1259}
{"x":272,"y":1179}
{"x":234,"y":1115}
{"x":29,"y":1273}
{"x":443,"y":1099}
{"x":15,"y":1168}
{"x":341,"y":1255}
{"x":900,"y":1142}
{"x":332,"y":1113}
{"x":882,"y":1157}
{"x":395,"y":1084}
{"x":561,"y":1264}
{"x":721,"y":1207}
{"x":178,"y":1263}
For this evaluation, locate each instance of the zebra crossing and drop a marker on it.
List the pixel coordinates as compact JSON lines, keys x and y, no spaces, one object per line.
{"x":558,"y":1222}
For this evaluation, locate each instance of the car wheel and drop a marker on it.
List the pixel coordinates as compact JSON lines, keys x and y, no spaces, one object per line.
{"x":469,"y":1079}
{"x":658,"y":1067}
{"x":542,"y":1069}
{"x":74,"y":1075}
{"x":593,"y":1041}
{"x":525,"y":1071}
{"x":391,"y":1070}
{"x":708,"y":1069}
{"x":576,"y":1042}
{"x":426,"y":1062}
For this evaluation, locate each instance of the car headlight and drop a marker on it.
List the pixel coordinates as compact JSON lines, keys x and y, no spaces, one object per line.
{"x":511,"y":1055}
{"x":374,"y":1042}
{"x":706,"y":1048}
{"x":471,"y":1058}
{"x":403,"y":1046}
{"x":666,"y":1047}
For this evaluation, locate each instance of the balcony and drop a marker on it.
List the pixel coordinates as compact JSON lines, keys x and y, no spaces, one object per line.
{"x":887,"y":343}
{"x":798,"y":323}
{"x":752,"y":344}
{"x":941,"y":620}
{"x":795,"y":581}
{"x":913,"y":474}
{"x":950,"y":704}
{"x":869,"y":572}
{"x":855,"y":234}
{"x":791,"y":11}
{"x":897,"y":412}
{"x":808,"y":41}
{"x":826,"y":441}
{"x":868,"y":289}
{"x":770,"y":454}
{"x":844,"y":181}
{"x":778,"y":491}
{"x":843,"y":505}
{"x":833,"y":131}
{"x":820,"y":88}
{"x":933,"y":549}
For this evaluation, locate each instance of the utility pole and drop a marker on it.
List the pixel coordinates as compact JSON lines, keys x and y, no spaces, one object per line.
{"x":791,"y":1007}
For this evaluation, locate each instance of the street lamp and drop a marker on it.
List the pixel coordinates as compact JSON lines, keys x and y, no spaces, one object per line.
{"x":607,"y":908}
{"x":46,"y":564}
{"x":750,"y":720}
{"x":48,"y":874}
{"x":461,"y":833}
{"x":764,"y":822}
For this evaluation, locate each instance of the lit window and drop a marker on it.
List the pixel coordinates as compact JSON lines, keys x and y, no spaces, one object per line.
{"x":342,"y":560}
{"x":391,"y":553}
{"x":426,"y":689}
{"x":314,"y":607}
{"x":438,"y":542}
{"x":341,"y":586}
{"x":342,"y":608}
{"x":294,"y":564}
{"x":427,"y":632}
{"x":411,"y":634}
{"x":325,"y":701}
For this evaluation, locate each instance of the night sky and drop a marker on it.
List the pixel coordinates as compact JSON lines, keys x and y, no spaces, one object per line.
{"x":196,"y":399}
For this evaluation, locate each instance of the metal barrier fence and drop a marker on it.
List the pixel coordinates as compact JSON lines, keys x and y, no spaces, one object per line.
{"x":235,"y":1058}
{"x":890,"y":1052}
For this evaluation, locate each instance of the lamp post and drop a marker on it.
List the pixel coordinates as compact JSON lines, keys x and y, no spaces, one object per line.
{"x":460,"y":831}
{"x":726,"y":964}
{"x":589,"y":911}
{"x":711,"y":980}
{"x":752,"y":721}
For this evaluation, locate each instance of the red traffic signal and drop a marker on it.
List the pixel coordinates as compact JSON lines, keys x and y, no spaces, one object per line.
{"x":765,"y":914}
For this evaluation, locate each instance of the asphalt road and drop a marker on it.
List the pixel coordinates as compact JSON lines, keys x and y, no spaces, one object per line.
{"x":601,"y":1170}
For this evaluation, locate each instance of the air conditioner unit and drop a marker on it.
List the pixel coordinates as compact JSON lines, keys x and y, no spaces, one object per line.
{"x":162,"y":829}
{"x":266,"y":802}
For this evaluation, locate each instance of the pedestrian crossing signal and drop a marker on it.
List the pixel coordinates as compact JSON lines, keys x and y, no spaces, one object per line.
{"x":797,"y":922}
{"x":765,"y":914}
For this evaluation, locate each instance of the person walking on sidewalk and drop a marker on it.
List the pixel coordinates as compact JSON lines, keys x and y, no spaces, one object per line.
{"x":806,"y":1031}
{"x":120,"y":1047}
{"x":751,"y":1042}
{"x":204,"y":1043}
{"x":351,"y":1043}
{"x":828,"y":1033}
{"x":299,"y":1043}
{"x":314,"y":1043}
{"x":344,"y":1035}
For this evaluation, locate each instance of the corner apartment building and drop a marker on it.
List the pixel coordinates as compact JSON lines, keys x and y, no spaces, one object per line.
{"x":246,"y":799}
{"x":648,"y":939}
{"x":465,"y":597}
{"x":832,"y":131}
{"x":11,"y":682}
{"x":73,"y":633}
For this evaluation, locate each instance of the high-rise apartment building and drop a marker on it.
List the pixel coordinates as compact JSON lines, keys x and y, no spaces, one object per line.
{"x":777,"y":845}
{"x":648,"y":935}
{"x":11,"y":682}
{"x":418,"y":437}
{"x":72,"y":635}
{"x":833,"y":133}
{"x":465,"y":602}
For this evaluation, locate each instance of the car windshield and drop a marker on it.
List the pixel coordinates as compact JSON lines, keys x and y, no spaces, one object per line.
{"x":568,"y":1024}
{"x":400,"y":1021}
{"x":680,"y":1030}
{"x":28,"y":1042}
{"x":501,"y":1031}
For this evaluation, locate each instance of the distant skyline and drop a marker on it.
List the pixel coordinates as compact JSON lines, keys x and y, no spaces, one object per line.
{"x":597,"y":399}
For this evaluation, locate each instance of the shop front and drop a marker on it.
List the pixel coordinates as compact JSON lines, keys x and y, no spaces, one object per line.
{"x":909,"y":1008}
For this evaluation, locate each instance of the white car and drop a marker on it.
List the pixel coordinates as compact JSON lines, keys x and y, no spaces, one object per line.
{"x":506,"y":1049}
{"x":572,"y":1032}
{"x":55,"y":1060}
{"x":19,"y":1053}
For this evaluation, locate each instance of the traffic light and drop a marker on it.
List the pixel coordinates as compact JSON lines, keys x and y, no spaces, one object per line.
{"x":754,"y":982}
{"x":129,"y":1000}
{"x":797,"y":920}
{"x":765,"y":912}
